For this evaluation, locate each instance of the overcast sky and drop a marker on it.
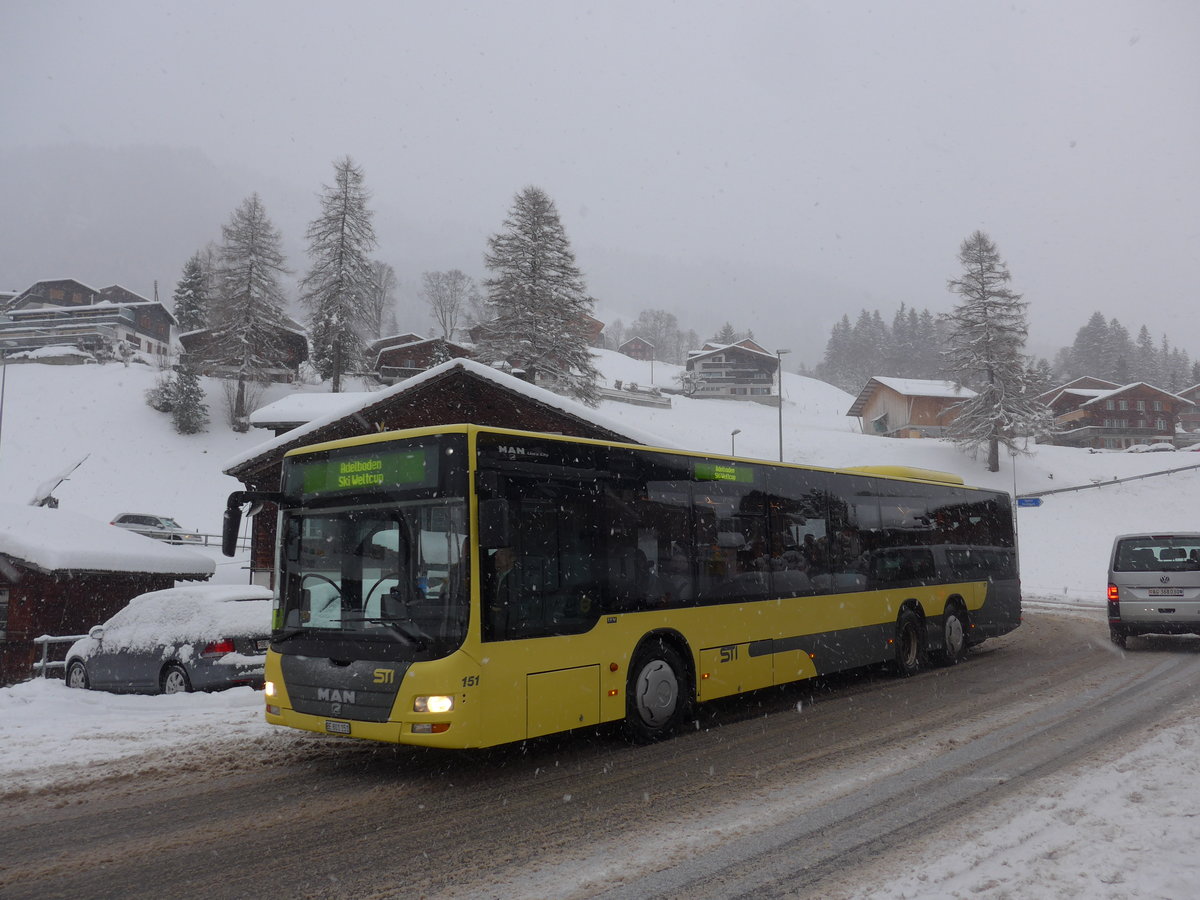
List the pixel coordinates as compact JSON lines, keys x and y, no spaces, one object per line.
{"x":841,"y":151}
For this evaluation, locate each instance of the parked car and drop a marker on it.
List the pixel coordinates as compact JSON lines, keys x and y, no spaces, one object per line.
{"x":204,"y":637}
{"x":162,"y":528}
{"x":1154,"y":585}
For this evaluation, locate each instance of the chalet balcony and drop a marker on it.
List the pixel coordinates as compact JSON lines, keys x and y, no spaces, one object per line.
{"x":1095,"y":435}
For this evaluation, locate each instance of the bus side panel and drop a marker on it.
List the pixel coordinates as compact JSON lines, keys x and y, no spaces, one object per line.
{"x":561,"y":700}
{"x":734,"y":668}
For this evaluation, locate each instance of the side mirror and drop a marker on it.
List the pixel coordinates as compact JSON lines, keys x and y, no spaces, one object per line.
{"x":493,"y":524}
{"x":96,"y":633}
{"x":232,"y":521}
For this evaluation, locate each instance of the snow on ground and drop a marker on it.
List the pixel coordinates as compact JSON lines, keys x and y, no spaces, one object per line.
{"x":1123,"y":828}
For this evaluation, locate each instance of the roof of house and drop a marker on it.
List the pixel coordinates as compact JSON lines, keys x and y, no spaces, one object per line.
{"x":908,"y":387}
{"x":1104,"y":395}
{"x":1094,"y":383}
{"x":55,"y":540}
{"x":711,"y":348}
{"x":362,"y":405}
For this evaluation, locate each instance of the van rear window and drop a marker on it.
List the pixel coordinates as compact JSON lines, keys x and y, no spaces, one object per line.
{"x":1158,"y":553}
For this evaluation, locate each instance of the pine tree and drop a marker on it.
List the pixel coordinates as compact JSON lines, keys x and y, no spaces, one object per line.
{"x":987,"y":335}
{"x":1146,"y":366}
{"x":338,"y":284}
{"x":189,"y":411}
{"x":726,"y":335}
{"x":191,"y":297}
{"x":538,"y":299}
{"x":248,"y":305}
{"x":1088,"y":352}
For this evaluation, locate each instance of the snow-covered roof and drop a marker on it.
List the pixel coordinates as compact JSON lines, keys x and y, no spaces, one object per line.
{"x":710,"y":349}
{"x":1103,"y":395}
{"x":920,"y":387}
{"x":507,"y":382}
{"x":56,"y":540}
{"x":305,"y":407}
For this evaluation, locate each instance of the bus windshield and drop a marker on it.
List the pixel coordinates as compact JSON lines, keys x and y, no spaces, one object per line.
{"x":387,"y":572}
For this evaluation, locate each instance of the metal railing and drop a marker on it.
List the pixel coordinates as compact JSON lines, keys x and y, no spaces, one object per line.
{"x":1100,"y":484}
{"x":44,"y":665}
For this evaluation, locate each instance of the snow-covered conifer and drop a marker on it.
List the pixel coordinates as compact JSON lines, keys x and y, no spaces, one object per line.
{"x":986,"y":339}
{"x":248,"y":304}
{"x":189,"y":412}
{"x":539,"y":302}
{"x":338,"y":283}
{"x":191,"y":296}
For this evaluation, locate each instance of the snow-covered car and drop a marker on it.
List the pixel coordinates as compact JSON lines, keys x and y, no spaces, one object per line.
{"x":162,"y":528}
{"x":1160,"y":447}
{"x":204,"y":637}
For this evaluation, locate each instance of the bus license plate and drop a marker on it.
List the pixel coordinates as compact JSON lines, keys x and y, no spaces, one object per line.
{"x":337,"y":727}
{"x":1166,"y":592}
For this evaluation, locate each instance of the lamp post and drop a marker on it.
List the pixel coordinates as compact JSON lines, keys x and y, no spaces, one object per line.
{"x":779,"y":359}
{"x":733,"y":441}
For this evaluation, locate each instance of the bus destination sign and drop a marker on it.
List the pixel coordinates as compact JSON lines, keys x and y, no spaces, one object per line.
{"x":364,"y":471}
{"x":724,"y":472}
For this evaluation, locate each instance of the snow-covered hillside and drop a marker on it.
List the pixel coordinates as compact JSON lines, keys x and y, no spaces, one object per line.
{"x":54,"y":415}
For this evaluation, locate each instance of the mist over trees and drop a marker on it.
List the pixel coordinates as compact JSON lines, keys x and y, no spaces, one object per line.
{"x":986,"y":333}
{"x":339,"y":281}
{"x":1103,"y":348}
{"x":449,"y":296}
{"x":908,"y":348}
{"x":537,"y":298}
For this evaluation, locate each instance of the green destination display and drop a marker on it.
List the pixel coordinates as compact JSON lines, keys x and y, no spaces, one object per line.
{"x":724,"y":472}
{"x":364,"y":471}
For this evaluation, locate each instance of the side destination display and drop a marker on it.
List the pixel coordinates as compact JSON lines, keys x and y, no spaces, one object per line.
{"x":359,"y":471}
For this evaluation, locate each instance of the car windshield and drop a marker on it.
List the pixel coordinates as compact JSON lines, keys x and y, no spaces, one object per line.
{"x":170,"y":523}
{"x":388,"y":572}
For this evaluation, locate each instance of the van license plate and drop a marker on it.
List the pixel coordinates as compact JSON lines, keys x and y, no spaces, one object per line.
{"x":1165,"y":592}
{"x":337,"y":727}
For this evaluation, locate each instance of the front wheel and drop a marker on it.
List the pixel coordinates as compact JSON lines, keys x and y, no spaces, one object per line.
{"x":175,"y":680}
{"x":909,"y":648}
{"x":659,"y":693}
{"x":76,"y":676}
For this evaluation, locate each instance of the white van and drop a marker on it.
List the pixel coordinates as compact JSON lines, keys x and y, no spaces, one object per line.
{"x":1154,"y":585}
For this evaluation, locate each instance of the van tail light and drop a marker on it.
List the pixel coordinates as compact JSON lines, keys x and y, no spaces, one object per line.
{"x":218,"y":648}
{"x":1114,"y":604}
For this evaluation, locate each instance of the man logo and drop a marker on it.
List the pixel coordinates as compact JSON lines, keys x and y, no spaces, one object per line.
{"x":333,"y":695}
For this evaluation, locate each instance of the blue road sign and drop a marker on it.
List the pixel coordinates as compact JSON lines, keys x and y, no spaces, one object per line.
{"x":1029,"y":501}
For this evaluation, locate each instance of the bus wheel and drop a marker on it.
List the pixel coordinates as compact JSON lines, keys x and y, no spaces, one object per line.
{"x":1117,"y":635}
{"x":908,"y":643}
{"x":954,"y":636}
{"x":658,"y":696}
{"x":175,"y":680}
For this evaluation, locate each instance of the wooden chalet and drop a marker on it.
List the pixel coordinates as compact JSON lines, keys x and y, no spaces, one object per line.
{"x":740,"y":371}
{"x":1116,"y":418}
{"x":907,"y":407}
{"x":61,"y":573}
{"x":394,"y":359}
{"x":291,"y":339}
{"x":66,"y":312}
{"x":1189,"y":418}
{"x":458,"y":391}
{"x":637,"y":348}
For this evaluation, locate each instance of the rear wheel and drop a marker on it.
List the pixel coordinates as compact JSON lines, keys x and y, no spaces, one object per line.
{"x":175,"y":680}
{"x":76,"y":676}
{"x":1117,"y":635}
{"x":659,"y":693}
{"x":909,"y":649}
{"x":954,"y":636}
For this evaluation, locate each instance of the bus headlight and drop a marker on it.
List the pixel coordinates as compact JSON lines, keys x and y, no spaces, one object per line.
{"x":269,"y":688}
{"x":438,"y":703}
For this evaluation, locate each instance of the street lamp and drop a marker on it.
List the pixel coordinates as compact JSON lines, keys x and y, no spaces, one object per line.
{"x":733,"y":441}
{"x":779,"y":360}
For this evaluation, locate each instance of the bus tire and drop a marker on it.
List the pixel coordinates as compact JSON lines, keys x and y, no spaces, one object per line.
{"x":175,"y":680}
{"x":658,"y":695}
{"x":909,"y":647}
{"x":953,"y":649}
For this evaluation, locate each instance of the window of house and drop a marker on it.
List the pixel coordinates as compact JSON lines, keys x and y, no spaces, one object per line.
{"x":1141,"y":405}
{"x":1123,"y":404}
{"x":1158,"y":406}
{"x":56,"y":293}
{"x":1160,"y":424}
{"x":1108,"y":404}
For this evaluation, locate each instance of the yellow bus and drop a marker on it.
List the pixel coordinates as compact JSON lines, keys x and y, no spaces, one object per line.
{"x":464,"y":586}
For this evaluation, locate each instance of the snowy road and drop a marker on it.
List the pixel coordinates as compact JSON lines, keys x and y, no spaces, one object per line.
{"x":788,"y":793}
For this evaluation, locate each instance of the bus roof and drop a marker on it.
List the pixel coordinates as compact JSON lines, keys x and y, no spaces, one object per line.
{"x":909,"y":473}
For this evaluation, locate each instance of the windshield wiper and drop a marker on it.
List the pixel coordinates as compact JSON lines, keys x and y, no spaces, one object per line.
{"x":409,"y":632}
{"x":286,"y":634}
